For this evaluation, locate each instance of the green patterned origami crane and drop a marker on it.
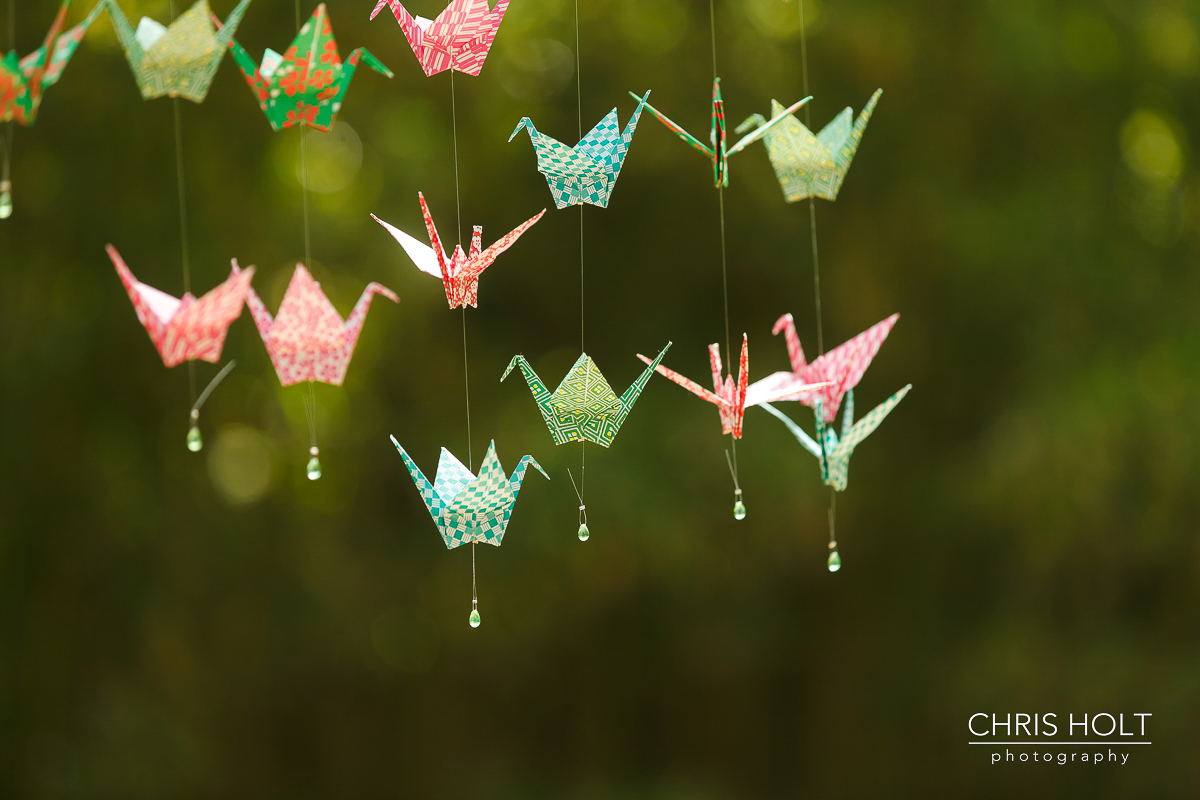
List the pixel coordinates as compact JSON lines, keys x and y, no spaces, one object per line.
{"x":23,"y":82}
{"x":306,"y":84}
{"x":813,"y":166}
{"x":832,"y":452}
{"x":587,"y":172}
{"x":583,"y":407}
{"x":465,"y":507}
{"x":180,"y":59}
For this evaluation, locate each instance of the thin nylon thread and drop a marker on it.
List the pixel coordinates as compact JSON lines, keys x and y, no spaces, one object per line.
{"x":458,"y":213}
{"x":9,"y":131}
{"x":582,"y":348}
{"x":311,"y":400}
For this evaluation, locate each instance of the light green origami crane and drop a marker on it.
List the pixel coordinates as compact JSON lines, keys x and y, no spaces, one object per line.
{"x":180,"y":59}
{"x":583,"y":407}
{"x":832,"y":452}
{"x":465,"y":507}
{"x":813,"y":166}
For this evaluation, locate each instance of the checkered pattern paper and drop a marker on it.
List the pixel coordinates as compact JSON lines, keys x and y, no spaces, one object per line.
{"x":587,"y":172}
{"x":306,"y":85}
{"x":181,"y":59}
{"x":583,"y":407}
{"x":459,"y":273}
{"x":24,"y":82}
{"x":466,"y":507}
{"x":458,"y":39}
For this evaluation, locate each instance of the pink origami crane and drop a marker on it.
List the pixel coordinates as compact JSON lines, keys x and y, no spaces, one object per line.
{"x":460,"y":274}
{"x":458,"y":39}
{"x":307,"y":340}
{"x":732,"y":399}
{"x":187,"y":328}
{"x":841,"y":368}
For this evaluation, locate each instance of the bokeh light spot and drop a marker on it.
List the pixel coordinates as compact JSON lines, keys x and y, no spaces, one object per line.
{"x":240,"y":465}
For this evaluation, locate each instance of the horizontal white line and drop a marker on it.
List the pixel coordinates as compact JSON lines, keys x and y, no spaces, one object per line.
{"x":1051,"y":741}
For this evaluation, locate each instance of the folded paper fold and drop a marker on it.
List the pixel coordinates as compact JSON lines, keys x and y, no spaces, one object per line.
{"x":458,"y":39}
{"x":467,"y":507}
{"x":583,"y":407}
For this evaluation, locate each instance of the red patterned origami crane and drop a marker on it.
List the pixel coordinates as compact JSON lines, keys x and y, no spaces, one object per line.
{"x":187,"y":328}
{"x":458,"y":39}
{"x":307,"y":340}
{"x":732,"y":399}
{"x":842,"y":367}
{"x":460,"y":273}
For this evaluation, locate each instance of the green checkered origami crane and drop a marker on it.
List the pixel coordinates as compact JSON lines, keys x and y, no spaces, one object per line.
{"x":306,"y":84}
{"x":832,"y":452}
{"x":813,"y":166}
{"x":178,"y":60}
{"x":465,"y":507}
{"x":583,"y":407}
{"x":587,"y":172}
{"x":23,"y":82}
{"x":719,"y":153}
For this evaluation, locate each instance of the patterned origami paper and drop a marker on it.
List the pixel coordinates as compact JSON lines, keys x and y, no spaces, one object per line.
{"x":467,"y":507}
{"x":587,"y":172}
{"x":23,"y":82}
{"x":583,"y":407}
{"x":460,"y":273}
{"x":732,"y":399}
{"x":305,"y":85}
{"x":843,"y":366}
{"x":719,"y":153}
{"x":178,"y":60}
{"x":186,"y":328}
{"x":458,"y":39}
{"x":832,"y":452}
{"x":307,"y":340}
{"x":813,"y":166}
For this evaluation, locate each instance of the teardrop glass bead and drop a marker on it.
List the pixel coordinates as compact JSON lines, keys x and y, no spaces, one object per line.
{"x":474,"y":618}
{"x":314,"y":469}
{"x":194,"y":440}
{"x":835,"y":561}
{"x":584,"y":533}
{"x":739,"y":510}
{"x":6,"y":205}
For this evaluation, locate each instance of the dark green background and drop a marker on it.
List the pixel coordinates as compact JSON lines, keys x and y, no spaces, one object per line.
{"x":1019,"y":535}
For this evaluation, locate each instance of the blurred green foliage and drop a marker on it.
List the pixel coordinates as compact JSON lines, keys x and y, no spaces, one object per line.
{"x":1020,"y":535}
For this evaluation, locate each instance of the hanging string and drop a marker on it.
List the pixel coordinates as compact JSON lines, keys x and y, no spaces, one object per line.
{"x":712,"y":19}
{"x":582,"y":348}
{"x":458,"y":215}
{"x":9,"y":130}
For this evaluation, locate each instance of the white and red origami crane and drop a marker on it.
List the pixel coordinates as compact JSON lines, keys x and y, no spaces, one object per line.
{"x":459,"y":39}
{"x":459,"y":273}
{"x":732,"y":399}
{"x":186,"y":328}
{"x":307,"y":340}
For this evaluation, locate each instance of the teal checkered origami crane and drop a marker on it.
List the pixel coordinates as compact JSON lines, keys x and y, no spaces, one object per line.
{"x":466,"y":507}
{"x":587,"y":172}
{"x":832,"y":452}
{"x":813,"y":166}
{"x":583,"y":407}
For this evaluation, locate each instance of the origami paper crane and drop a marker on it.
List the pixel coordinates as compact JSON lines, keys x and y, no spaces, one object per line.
{"x":460,"y":273}
{"x":719,"y":153}
{"x":306,"y":84}
{"x":813,"y":166}
{"x":23,"y":82}
{"x":587,"y":172}
{"x":458,"y":39}
{"x":732,"y":399}
{"x":467,"y":507}
{"x":307,"y":340}
{"x":583,"y":407}
{"x":186,"y":328}
{"x":834,"y":453}
{"x":178,"y":60}
{"x":842,"y":367}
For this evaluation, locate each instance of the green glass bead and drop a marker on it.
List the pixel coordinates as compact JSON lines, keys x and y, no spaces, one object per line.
{"x":6,"y":205}
{"x":584,"y":533}
{"x":314,"y":468}
{"x":739,"y":510}
{"x":474,"y":618}
{"x":194,"y":440}
{"x":835,"y":561}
